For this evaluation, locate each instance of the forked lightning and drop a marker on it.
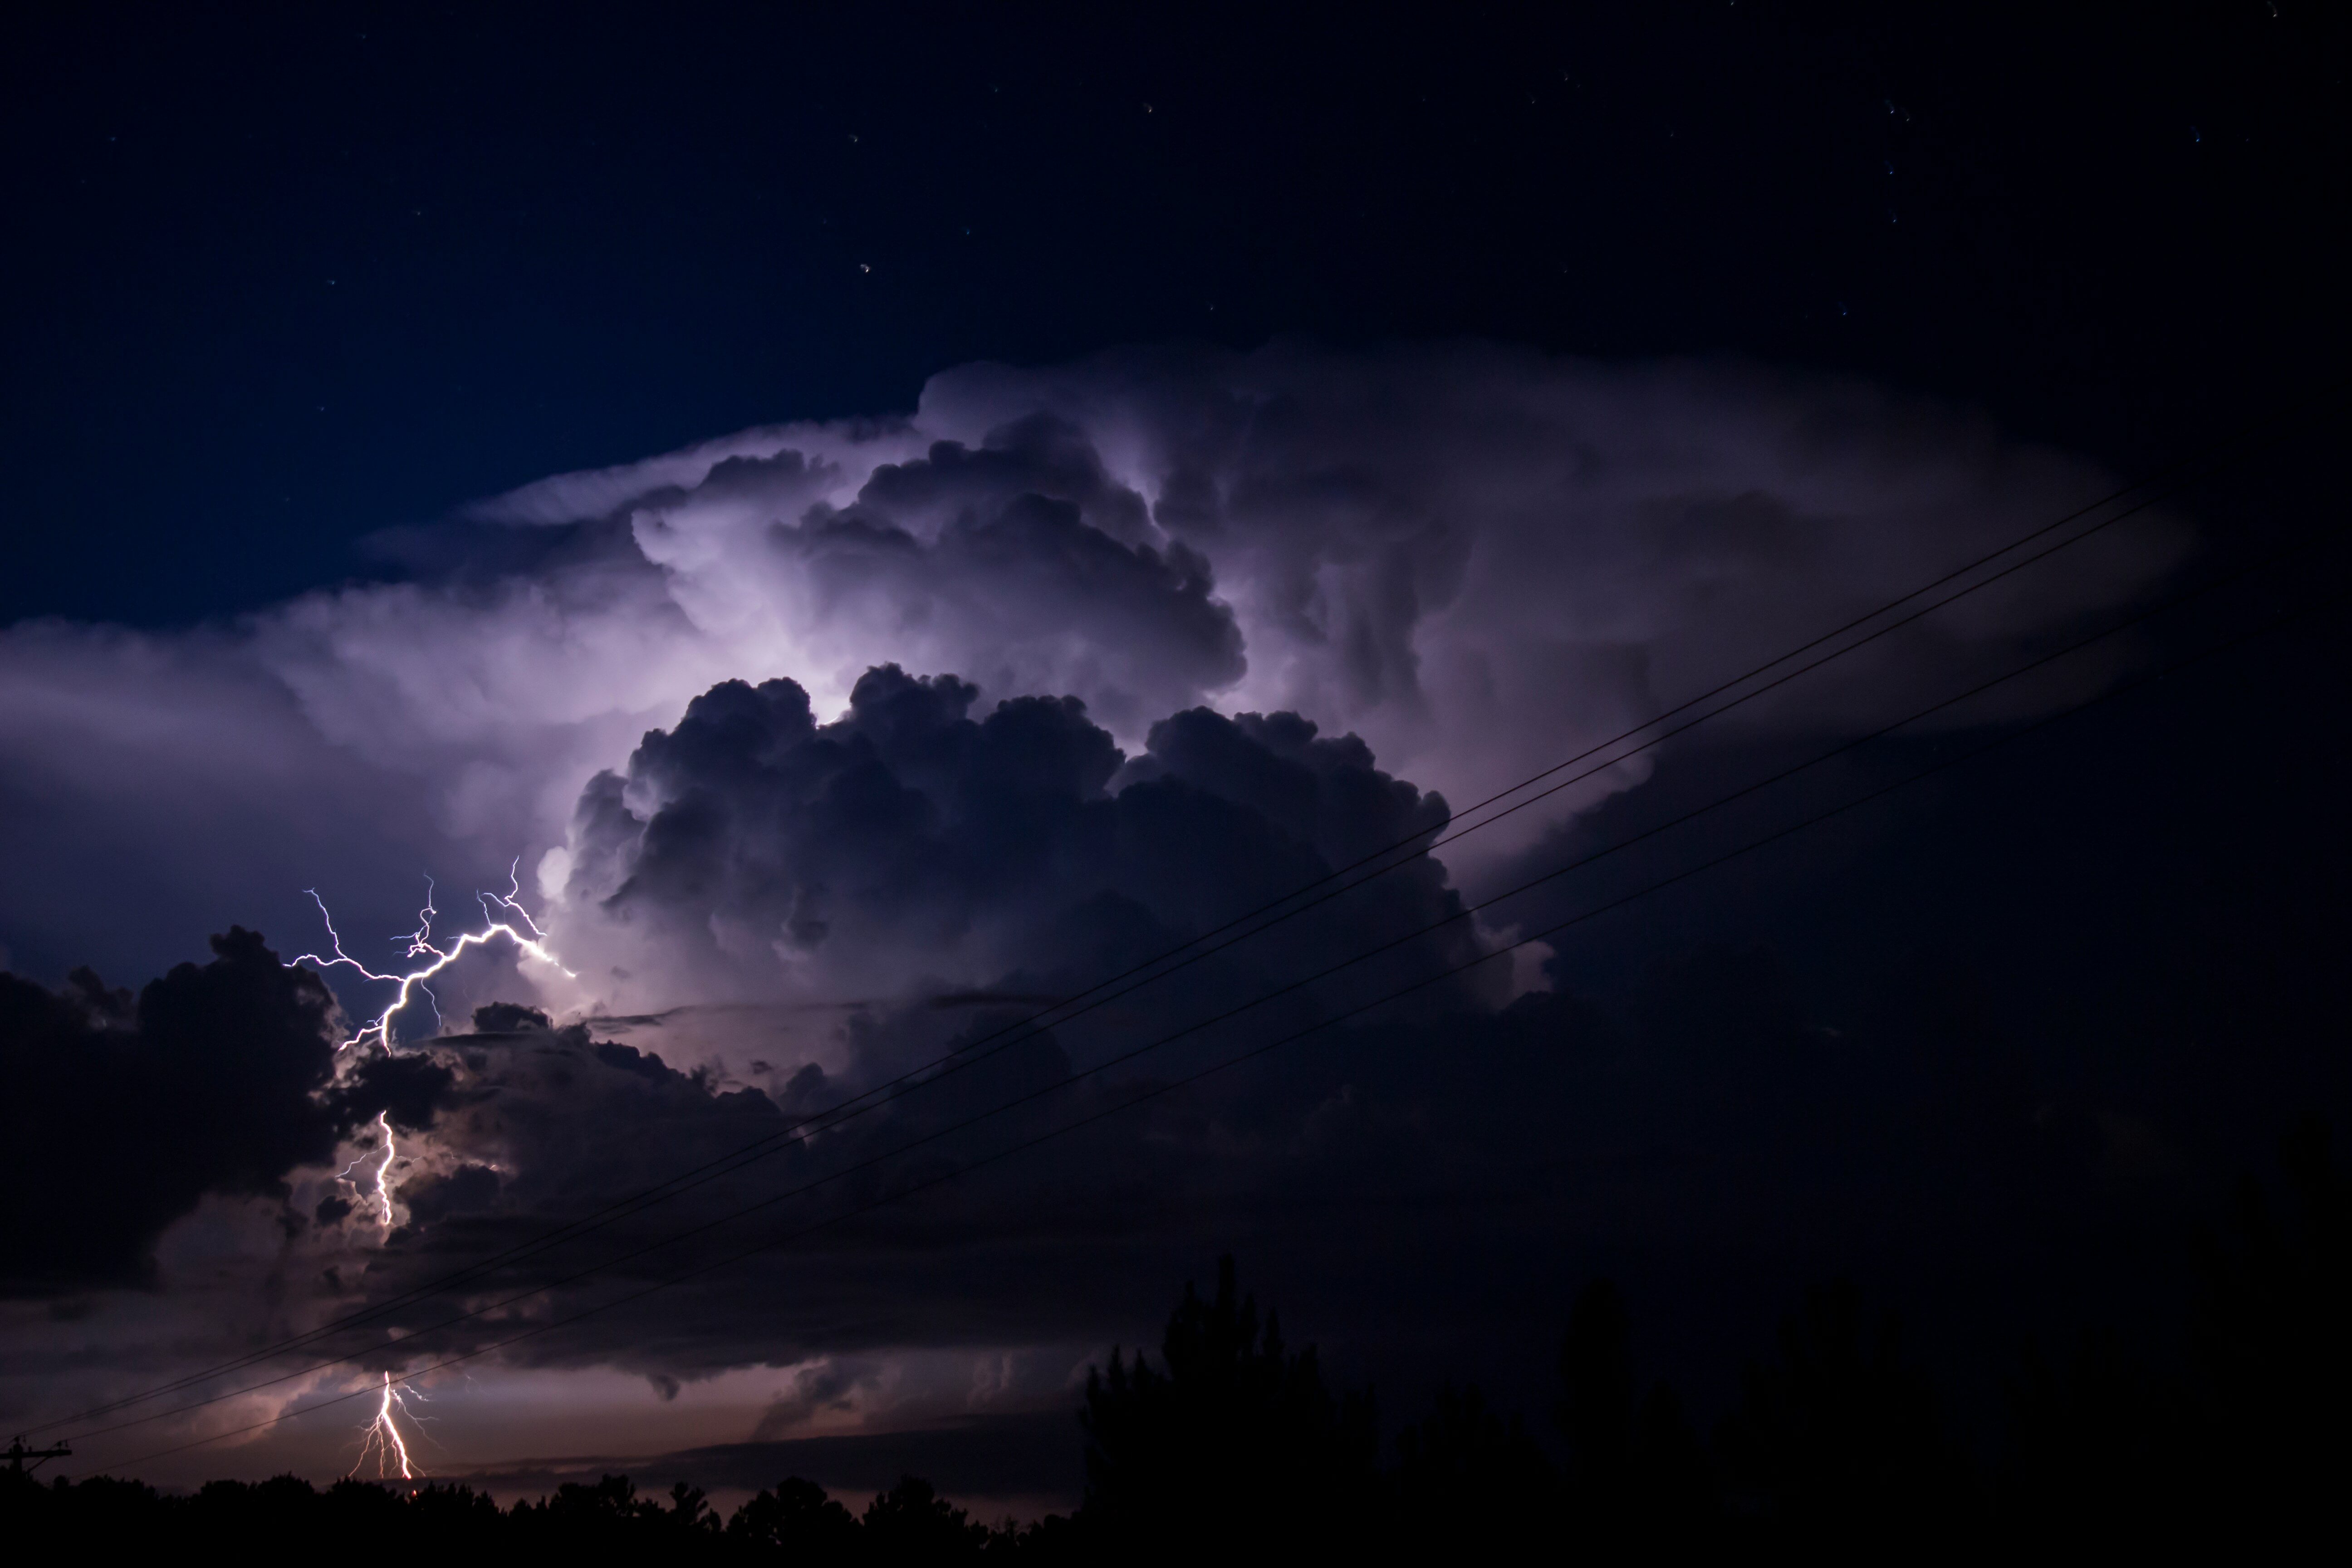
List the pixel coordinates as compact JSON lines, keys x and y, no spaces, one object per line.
{"x":516,"y":922}
{"x":381,"y":1440}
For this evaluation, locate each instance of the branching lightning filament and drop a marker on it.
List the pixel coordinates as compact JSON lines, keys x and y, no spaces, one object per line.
{"x":503,"y":915}
{"x":381,"y":1440}
{"x":382,"y":1171}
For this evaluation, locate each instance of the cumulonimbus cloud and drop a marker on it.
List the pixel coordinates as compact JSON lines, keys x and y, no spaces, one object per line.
{"x":1478,"y":559}
{"x":917,"y":723}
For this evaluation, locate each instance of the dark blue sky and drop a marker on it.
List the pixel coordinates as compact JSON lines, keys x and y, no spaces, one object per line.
{"x":275,"y":280}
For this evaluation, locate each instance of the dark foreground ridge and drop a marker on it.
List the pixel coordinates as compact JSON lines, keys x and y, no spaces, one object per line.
{"x":1233,"y":1442}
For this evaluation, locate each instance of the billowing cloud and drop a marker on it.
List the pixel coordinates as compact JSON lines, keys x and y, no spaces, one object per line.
{"x":119,"y":1113}
{"x":1005,"y":859}
{"x":829,"y":749}
{"x":911,"y":848}
{"x":1478,"y":559}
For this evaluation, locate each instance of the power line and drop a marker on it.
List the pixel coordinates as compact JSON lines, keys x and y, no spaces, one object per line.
{"x":2273,"y":427}
{"x":872,"y":1161}
{"x":1227,"y":1064}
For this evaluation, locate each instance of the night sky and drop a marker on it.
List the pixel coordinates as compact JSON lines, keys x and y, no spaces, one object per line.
{"x":887,"y":521}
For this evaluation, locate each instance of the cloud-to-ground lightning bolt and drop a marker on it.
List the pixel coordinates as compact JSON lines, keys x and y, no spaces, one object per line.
{"x":382,"y":1170}
{"x":516,"y":925}
{"x":381,"y":1440}
{"x":503,"y":914}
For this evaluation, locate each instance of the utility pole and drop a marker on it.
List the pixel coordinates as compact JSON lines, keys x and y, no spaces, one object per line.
{"x":17,"y":1454}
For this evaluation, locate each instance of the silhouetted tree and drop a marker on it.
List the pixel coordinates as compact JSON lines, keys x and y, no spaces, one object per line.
{"x":2269,"y":1365}
{"x":912,"y":1523}
{"x":1052,"y":1541}
{"x":611,"y":1516}
{"x":1237,"y":1441}
{"x":2242,"y":1453}
{"x":99,"y":1516}
{"x":798,"y":1520}
{"x":1836,"y":1446}
{"x":1596,"y":1400}
{"x":439,"y":1512}
{"x":2093,"y":1454}
{"x":1468,"y":1480}
{"x":1637,"y":1480}
{"x":690,"y":1514}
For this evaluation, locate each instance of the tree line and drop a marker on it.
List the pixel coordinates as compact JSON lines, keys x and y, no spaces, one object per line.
{"x":1235,"y":1441}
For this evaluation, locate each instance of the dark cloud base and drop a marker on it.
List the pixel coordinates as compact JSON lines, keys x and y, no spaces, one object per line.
{"x":1034,"y":1455}
{"x":118,"y":1114}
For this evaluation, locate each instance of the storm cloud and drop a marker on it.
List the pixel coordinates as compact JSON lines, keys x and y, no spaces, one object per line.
{"x":1017,"y":857}
{"x":1014,"y":858}
{"x":825,"y":752}
{"x":911,"y":848}
{"x":119,"y":1113}
{"x":1480,"y":560}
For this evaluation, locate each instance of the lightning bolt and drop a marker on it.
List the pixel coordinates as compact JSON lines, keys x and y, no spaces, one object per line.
{"x":382,"y":1171}
{"x":381,"y":1440}
{"x":503,"y":915}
